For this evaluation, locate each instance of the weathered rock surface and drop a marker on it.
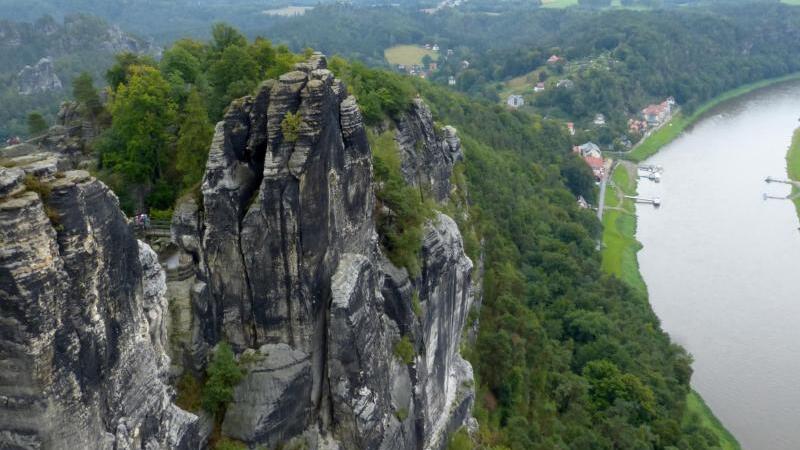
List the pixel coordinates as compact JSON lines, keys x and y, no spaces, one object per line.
{"x":265,"y":408}
{"x":38,"y":78}
{"x":291,"y":274}
{"x":427,"y":154}
{"x":82,"y":332}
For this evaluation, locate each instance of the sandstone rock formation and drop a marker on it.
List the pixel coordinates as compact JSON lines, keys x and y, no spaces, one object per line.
{"x":82,"y":312}
{"x":290,"y":273}
{"x":428,"y":154}
{"x":38,"y":78}
{"x":287,"y":269}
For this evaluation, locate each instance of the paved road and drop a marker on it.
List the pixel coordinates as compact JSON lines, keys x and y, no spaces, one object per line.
{"x":601,"y":204}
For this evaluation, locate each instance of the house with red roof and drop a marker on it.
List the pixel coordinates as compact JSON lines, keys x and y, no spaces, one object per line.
{"x":553,"y":59}
{"x":597,"y":165}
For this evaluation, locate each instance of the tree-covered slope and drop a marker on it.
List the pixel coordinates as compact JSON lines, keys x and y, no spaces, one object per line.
{"x":619,"y":61}
{"x":566,"y":356}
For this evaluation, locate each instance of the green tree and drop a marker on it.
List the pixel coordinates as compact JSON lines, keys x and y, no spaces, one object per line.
{"x":84,"y":92}
{"x":263,"y":53}
{"x":427,"y":60}
{"x":223,"y":376}
{"x":137,"y":146}
{"x":235,"y":74}
{"x":178,"y":60}
{"x":120,"y":72}
{"x":290,"y":126}
{"x":194,"y":138}
{"x":284,"y":60}
{"x":36,"y":124}
{"x":224,"y":36}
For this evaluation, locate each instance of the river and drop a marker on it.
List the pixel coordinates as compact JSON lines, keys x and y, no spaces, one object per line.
{"x":721,"y":263}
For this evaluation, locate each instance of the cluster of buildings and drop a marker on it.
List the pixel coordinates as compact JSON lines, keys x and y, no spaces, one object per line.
{"x":590,"y":153}
{"x":419,"y":70}
{"x":424,"y":71}
{"x":516,"y":100}
{"x":653,"y":116}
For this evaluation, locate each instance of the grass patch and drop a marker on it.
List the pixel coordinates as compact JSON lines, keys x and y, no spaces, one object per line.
{"x":680,"y":122}
{"x":793,"y":166}
{"x":408,"y":54}
{"x":404,"y":350}
{"x":415,"y":304}
{"x":401,"y":414}
{"x":189,"y":390}
{"x":619,"y":231}
{"x":230,"y":444}
{"x":698,"y":412}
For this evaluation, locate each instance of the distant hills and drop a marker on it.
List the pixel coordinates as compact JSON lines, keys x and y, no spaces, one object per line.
{"x":43,"y":56}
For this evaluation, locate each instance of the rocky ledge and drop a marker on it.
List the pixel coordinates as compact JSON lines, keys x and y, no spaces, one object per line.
{"x":290,"y":273}
{"x":82,"y":331}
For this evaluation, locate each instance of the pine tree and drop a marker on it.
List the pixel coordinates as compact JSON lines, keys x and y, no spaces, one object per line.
{"x":36,"y":124}
{"x":194,"y":137}
{"x":223,"y":375}
{"x":84,"y":92}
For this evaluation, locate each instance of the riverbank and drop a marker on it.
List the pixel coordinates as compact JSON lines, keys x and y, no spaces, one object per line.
{"x":679,"y":122}
{"x":620,"y":247}
{"x":619,"y":228}
{"x":619,"y":258}
{"x":793,"y":167}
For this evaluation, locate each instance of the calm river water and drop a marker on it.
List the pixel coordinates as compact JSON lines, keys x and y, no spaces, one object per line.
{"x":721,"y":264}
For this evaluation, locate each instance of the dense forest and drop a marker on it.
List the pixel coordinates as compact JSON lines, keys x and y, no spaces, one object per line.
{"x":566,"y":356}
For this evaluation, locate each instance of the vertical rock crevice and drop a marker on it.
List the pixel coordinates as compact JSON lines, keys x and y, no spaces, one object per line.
{"x":326,"y":308}
{"x":82,"y":321}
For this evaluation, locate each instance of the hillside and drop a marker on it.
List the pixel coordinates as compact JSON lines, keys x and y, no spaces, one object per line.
{"x":42,"y":58}
{"x":616,"y":61}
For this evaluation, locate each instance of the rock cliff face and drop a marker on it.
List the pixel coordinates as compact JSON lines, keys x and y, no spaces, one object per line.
{"x":40,"y":77}
{"x":290,"y":273}
{"x":427,"y":154}
{"x":82,"y":320}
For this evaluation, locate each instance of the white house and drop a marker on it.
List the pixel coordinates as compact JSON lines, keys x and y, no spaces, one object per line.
{"x":515,"y":101}
{"x":599,"y":120}
{"x":589,"y":149}
{"x":565,"y":83}
{"x":451,"y":81}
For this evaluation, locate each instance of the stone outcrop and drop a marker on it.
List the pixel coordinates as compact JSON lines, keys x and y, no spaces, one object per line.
{"x":31,"y":50}
{"x":38,"y":78}
{"x":428,"y":153}
{"x":82,"y":321}
{"x":290,"y":273}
